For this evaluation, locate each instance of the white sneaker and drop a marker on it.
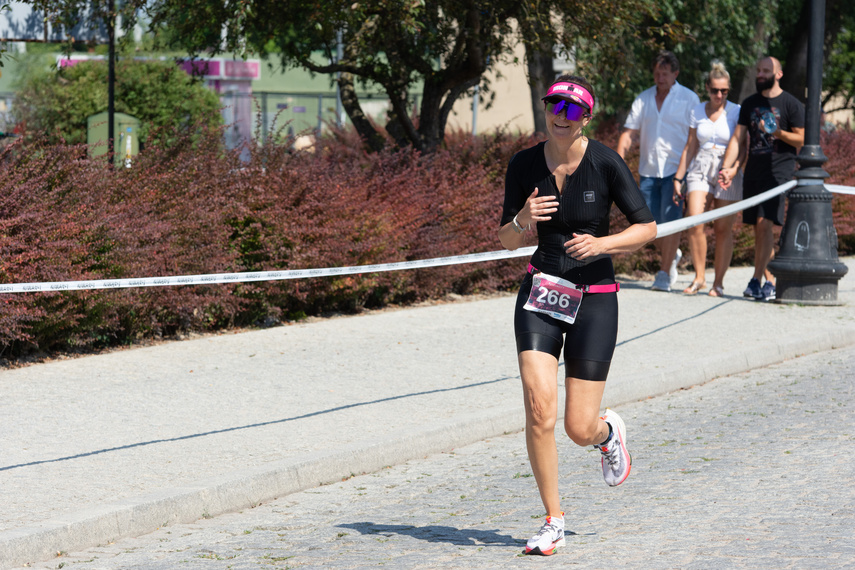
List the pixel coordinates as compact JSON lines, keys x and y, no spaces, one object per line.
{"x":672,"y":273}
{"x":616,"y":460}
{"x":548,"y":538}
{"x":662,"y":282}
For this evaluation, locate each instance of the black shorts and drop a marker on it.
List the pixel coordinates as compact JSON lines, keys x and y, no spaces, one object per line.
{"x":589,"y":343}
{"x":772,"y":209}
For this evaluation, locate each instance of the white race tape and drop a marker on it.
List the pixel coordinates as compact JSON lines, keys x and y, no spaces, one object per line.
{"x":835,"y":189}
{"x":669,"y":228}
{"x":250,"y":276}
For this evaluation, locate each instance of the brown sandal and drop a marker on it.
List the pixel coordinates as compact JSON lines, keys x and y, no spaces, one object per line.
{"x":716,"y":291}
{"x":694,"y":287}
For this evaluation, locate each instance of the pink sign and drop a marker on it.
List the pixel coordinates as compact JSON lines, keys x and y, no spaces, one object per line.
{"x":241,"y":69}
{"x":202,"y":67}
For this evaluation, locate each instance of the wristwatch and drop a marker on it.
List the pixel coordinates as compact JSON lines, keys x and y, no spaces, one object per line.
{"x":516,"y":226}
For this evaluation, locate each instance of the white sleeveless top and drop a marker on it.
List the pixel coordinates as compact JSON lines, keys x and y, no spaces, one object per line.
{"x":714,"y":134}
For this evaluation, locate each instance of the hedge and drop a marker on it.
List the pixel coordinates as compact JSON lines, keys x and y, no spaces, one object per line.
{"x":194,"y":208}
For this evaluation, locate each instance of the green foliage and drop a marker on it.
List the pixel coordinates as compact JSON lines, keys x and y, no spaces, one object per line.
{"x":839,"y":79}
{"x":444,"y":46}
{"x":57,"y":103}
{"x":697,"y":32}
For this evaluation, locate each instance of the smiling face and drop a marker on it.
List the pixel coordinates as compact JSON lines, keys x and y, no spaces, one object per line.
{"x":560,"y":128}
{"x":717,"y":89}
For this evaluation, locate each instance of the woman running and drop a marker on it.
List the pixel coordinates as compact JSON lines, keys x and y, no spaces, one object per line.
{"x":564,"y":189}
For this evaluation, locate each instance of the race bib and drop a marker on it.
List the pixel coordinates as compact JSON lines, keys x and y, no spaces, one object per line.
{"x":553,"y":296}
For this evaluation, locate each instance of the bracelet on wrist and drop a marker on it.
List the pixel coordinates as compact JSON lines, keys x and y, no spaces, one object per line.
{"x":516,"y":226}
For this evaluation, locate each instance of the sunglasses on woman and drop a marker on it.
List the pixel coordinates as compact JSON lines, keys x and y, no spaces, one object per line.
{"x":724,"y":91}
{"x":571,"y":111}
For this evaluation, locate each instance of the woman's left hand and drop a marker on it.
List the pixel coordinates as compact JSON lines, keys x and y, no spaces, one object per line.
{"x":583,"y":246}
{"x":678,"y":196}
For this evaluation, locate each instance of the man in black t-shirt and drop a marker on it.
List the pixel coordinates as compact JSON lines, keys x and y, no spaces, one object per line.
{"x":772,"y":124}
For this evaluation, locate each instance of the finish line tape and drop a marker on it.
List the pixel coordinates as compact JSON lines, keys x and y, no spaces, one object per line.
{"x":255,"y":276}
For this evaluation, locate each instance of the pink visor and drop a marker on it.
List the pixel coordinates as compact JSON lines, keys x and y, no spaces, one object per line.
{"x":572,"y":91}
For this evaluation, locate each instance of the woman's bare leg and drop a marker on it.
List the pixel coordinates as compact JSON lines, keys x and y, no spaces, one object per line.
{"x":582,"y":420}
{"x":723,"y":243}
{"x":539,"y":372}
{"x":695,"y":204}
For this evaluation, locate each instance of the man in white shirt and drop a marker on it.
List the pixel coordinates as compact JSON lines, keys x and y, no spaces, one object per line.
{"x":659,"y":120}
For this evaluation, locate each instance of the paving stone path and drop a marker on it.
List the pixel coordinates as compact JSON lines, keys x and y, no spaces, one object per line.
{"x":748,"y":471}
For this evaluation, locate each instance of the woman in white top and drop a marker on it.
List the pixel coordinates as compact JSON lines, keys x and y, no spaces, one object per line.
{"x":710,"y":128}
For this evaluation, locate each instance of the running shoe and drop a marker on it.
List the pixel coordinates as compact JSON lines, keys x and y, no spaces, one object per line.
{"x":548,"y":538}
{"x":616,"y":460}
{"x":753,"y":289}
{"x":662,"y":282}
{"x":672,"y":272}
{"x":768,"y":292}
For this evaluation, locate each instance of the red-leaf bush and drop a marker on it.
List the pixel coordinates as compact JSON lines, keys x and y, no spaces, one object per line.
{"x":194,"y":208}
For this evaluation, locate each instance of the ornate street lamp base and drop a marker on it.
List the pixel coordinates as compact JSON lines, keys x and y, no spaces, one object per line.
{"x":807,"y":268}
{"x":804,"y":282}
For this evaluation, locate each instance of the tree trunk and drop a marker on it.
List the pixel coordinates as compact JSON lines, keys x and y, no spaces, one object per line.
{"x":794,"y":80}
{"x":399,"y":124}
{"x":350,"y":101}
{"x":742,"y":80}
{"x":795,"y":74}
{"x":429,"y":118}
{"x":541,"y":74}
{"x":438,"y":99}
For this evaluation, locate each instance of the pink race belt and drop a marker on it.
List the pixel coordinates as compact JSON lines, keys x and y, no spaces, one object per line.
{"x":610,"y":288}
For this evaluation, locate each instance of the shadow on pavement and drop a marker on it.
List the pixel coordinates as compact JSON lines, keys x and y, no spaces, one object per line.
{"x":437,"y":533}
{"x":256,"y":425}
{"x":681,"y":321}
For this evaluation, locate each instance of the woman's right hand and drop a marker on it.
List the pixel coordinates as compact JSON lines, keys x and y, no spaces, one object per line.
{"x":725,"y":177}
{"x":536,"y":209}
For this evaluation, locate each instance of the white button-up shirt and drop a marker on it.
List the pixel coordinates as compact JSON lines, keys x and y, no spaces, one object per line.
{"x":662,"y":133}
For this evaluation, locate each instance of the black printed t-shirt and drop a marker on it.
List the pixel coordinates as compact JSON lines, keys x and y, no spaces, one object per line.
{"x":771,"y":159}
{"x":602,"y":178}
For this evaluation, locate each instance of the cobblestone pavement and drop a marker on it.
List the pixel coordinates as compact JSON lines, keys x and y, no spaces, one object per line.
{"x":748,"y":471}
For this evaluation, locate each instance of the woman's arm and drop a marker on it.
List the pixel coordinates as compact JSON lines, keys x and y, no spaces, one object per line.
{"x":732,"y":154}
{"x":536,"y":209}
{"x":583,"y":246}
{"x":689,"y":152}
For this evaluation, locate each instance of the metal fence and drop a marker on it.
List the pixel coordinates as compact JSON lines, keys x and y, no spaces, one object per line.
{"x":277,"y":114}
{"x":265,"y":114}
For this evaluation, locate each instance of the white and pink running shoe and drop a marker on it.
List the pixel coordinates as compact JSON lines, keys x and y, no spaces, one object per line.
{"x":616,"y":460}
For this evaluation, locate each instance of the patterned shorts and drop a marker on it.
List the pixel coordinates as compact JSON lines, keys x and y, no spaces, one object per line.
{"x":703,"y":175}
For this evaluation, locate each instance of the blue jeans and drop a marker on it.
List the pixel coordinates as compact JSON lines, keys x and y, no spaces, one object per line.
{"x":659,"y":195}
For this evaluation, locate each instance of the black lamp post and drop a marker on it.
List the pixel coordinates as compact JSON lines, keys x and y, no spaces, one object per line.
{"x":807,"y":267}
{"x":111,"y":81}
